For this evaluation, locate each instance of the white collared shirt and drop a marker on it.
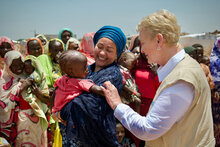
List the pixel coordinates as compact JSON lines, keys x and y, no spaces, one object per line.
{"x":169,"y":108}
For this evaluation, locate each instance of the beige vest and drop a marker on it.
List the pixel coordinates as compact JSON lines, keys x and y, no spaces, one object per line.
{"x":195,"y":129}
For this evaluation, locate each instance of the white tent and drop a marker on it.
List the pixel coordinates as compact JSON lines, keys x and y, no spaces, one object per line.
{"x":205,"y":39}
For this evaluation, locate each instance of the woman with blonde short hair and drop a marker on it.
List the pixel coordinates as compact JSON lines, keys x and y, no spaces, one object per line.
{"x":180,"y":114}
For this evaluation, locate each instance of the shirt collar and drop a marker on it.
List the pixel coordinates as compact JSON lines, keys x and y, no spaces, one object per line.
{"x":163,"y":71}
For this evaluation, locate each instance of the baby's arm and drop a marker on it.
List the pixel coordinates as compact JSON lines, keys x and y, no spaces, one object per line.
{"x":97,"y":90}
{"x":130,"y":90}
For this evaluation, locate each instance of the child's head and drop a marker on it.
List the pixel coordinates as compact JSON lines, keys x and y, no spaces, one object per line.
{"x":128,"y":60}
{"x":28,"y":67}
{"x":74,"y":64}
{"x":120,"y":132}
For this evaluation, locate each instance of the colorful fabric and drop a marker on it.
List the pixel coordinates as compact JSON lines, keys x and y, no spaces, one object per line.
{"x":215,"y":72}
{"x":90,"y":112}
{"x":9,"y":57}
{"x":61,"y":32}
{"x":39,"y":79}
{"x":56,"y":73}
{"x":46,"y":45}
{"x":38,"y":40}
{"x":68,"y":89}
{"x":8,"y":40}
{"x":47,"y":68}
{"x":74,"y":40}
{"x":129,"y":81}
{"x":215,"y":64}
{"x":87,"y":45}
{"x":18,"y":126}
{"x":147,"y":84}
{"x":113,"y":33}
{"x":51,"y":69}
{"x":9,"y":99}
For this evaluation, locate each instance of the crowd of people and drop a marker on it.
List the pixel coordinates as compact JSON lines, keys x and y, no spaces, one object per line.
{"x":100,"y":92}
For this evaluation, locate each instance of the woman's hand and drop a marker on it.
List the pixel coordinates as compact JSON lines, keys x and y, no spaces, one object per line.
{"x":111,"y":94}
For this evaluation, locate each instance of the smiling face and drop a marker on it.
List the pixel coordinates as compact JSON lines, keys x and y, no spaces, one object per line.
{"x":65,"y":36}
{"x":34,"y":48}
{"x":4,"y":48}
{"x":105,"y":53}
{"x":17,"y":66}
{"x":149,"y":47}
{"x":120,"y":132}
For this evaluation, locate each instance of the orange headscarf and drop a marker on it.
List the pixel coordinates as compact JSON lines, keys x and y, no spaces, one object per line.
{"x":38,"y":40}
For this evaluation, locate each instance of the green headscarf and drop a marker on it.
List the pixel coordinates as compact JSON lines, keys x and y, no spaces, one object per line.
{"x":61,"y":32}
{"x":189,"y":49}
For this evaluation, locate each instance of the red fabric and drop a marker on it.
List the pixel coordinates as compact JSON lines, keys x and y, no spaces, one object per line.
{"x":147,"y":84}
{"x":90,"y":59}
{"x":68,"y":89}
{"x":125,"y":75}
{"x":23,"y":105}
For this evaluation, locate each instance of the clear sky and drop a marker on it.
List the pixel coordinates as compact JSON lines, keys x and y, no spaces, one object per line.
{"x":21,"y":18}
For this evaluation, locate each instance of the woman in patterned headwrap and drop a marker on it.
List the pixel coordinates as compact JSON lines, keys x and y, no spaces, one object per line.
{"x":19,"y":123}
{"x":65,"y":35}
{"x":6,"y":45}
{"x":90,"y":120}
{"x":215,"y":71}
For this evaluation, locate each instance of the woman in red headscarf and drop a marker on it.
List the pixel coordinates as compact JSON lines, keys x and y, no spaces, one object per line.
{"x":87,"y":47}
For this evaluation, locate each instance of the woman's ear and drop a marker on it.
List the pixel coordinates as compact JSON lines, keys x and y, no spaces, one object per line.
{"x":160,"y":39}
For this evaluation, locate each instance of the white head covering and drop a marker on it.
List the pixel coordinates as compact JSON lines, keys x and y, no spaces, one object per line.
{"x":74,"y":40}
{"x":9,"y":57}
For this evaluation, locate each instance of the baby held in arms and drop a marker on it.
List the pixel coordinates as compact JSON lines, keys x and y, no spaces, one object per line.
{"x":73,"y":65}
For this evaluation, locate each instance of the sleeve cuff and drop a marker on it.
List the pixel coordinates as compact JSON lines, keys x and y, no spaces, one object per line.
{"x":120,"y":110}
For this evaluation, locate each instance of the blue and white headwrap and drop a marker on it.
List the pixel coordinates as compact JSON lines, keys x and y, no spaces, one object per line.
{"x":215,"y":63}
{"x":113,"y":33}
